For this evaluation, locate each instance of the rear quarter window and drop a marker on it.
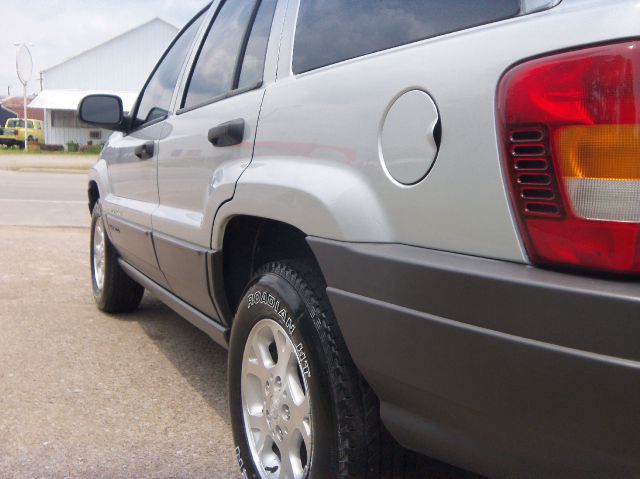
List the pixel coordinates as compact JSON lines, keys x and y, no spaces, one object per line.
{"x":331,"y":31}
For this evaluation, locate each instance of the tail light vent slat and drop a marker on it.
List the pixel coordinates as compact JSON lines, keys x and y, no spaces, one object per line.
{"x":531,"y":165}
{"x":526,"y":136}
{"x":543,"y":209}
{"x":532,"y":179}
{"x":529,"y":150}
{"x":537,"y":194}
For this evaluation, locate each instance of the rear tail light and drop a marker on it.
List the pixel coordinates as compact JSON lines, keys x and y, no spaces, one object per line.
{"x":571,"y":134}
{"x":15,"y":132}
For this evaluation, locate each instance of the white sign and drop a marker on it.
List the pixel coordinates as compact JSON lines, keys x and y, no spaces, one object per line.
{"x":24,"y":64}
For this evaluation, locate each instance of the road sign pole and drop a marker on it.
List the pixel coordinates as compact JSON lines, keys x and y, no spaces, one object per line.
{"x":26,"y":142}
{"x":24,"y":68}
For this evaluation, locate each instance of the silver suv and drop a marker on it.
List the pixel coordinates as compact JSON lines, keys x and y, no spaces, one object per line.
{"x":410,"y":221}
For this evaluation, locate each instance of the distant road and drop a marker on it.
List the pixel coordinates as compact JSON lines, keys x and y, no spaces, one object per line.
{"x":43,"y":199}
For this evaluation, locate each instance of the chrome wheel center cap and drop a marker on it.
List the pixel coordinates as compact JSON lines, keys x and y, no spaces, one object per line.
{"x":272,"y":406}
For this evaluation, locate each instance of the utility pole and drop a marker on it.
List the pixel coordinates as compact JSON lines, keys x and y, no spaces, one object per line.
{"x":41,"y":79}
{"x":8,"y":91}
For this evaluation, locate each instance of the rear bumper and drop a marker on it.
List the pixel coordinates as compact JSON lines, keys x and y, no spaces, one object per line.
{"x":10,"y":141}
{"x":501,"y":368}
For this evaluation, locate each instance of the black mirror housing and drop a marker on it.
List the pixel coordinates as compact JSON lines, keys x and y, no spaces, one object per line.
{"x":105,"y":111}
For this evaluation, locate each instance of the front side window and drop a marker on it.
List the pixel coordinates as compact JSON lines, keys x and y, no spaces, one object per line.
{"x":331,"y":31}
{"x":215,"y":67}
{"x":156,"y":98}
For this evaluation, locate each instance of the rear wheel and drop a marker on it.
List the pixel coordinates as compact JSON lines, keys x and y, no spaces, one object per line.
{"x":113,"y":290}
{"x":299,"y":407}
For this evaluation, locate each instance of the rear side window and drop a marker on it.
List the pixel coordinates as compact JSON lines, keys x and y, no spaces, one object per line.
{"x":331,"y":31}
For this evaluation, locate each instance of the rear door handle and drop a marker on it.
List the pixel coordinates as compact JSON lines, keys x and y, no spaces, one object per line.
{"x":227,"y":134}
{"x":145,"y":151}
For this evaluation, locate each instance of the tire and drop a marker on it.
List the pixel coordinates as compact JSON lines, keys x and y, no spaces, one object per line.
{"x":345,"y":437}
{"x":113,"y":290}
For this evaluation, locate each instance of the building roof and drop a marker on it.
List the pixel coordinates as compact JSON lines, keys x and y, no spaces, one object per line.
{"x":70,"y":99}
{"x":121,"y":64}
{"x":16,"y":104}
{"x":7,"y":109}
{"x":96,"y":47}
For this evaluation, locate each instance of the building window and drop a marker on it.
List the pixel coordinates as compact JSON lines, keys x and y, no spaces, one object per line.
{"x":95,"y":135}
{"x":66,"y":119}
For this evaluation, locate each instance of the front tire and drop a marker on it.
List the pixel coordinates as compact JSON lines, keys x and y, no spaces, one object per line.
{"x":113,"y":290}
{"x":299,"y":407}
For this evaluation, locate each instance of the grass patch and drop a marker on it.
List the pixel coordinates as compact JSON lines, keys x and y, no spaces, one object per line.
{"x":19,"y":152}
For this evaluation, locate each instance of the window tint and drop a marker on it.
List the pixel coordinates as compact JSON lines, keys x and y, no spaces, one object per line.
{"x":215,"y":67}
{"x":156,"y":98}
{"x":253,"y":61}
{"x":331,"y":31}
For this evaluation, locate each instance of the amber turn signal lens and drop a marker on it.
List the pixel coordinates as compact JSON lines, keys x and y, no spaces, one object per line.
{"x":603,"y":152}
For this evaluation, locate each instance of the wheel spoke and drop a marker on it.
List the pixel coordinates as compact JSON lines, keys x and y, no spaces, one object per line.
{"x":286,"y":356}
{"x":256,"y":368}
{"x":259,"y":429}
{"x":299,"y":401}
{"x":301,"y":420}
{"x":286,"y":468}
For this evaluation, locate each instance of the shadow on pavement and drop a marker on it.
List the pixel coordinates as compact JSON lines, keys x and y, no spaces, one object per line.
{"x":198,"y":359}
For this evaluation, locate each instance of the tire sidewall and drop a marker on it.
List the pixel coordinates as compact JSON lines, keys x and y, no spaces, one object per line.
{"x":271,"y":296}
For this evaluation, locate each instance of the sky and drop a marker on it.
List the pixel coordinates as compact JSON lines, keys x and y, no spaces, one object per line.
{"x":59,"y":29}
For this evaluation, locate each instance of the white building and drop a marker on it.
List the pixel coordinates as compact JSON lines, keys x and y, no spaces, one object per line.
{"x":119,"y":66}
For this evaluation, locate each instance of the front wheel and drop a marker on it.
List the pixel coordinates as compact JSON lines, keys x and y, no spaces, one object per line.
{"x":299,"y":407}
{"x":113,"y":290}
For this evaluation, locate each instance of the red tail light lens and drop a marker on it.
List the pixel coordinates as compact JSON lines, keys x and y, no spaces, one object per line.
{"x":571,"y":133}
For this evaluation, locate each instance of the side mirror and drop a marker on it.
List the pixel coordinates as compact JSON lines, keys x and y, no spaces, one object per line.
{"x":105,"y":111}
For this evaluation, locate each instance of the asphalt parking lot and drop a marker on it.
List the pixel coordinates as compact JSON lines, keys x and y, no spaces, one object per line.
{"x":84,"y":394}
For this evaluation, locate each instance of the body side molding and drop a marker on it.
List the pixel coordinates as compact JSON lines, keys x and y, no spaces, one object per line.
{"x":214,"y":330}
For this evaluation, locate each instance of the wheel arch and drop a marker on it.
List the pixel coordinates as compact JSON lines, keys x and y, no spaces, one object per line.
{"x":248,"y":242}
{"x":98,"y":182}
{"x":94,"y":194}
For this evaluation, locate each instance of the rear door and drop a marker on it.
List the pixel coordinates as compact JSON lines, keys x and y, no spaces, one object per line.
{"x":132,"y":160}
{"x":209,"y":142}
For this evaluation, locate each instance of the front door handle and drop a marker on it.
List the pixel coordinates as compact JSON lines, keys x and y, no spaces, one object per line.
{"x":145,"y":151}
{"x":227,"y":134}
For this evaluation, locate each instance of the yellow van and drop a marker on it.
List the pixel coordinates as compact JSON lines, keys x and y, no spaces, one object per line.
{"x":13,"y":132}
